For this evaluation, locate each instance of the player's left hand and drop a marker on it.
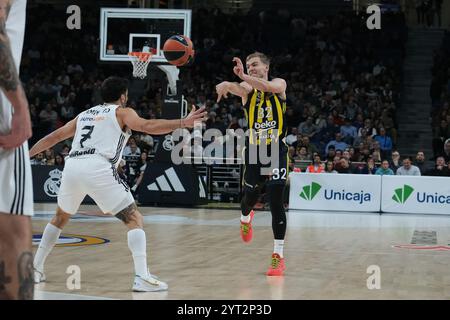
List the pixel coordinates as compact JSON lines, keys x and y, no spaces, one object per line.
{"x":239,"y":68}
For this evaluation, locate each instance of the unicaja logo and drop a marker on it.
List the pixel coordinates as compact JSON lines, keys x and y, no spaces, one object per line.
{"x":402,"y":194}
{"x":310,"y":191}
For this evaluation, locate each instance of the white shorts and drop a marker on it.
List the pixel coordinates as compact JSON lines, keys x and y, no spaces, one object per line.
{"x":95,"y":176}
{"x":16,"y":184}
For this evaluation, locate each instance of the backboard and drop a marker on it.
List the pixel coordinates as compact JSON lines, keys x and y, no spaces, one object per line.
{"x":124,"y":30}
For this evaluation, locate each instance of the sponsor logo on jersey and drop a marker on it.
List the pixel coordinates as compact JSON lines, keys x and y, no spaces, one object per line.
{"x":81,"y":153}
{"x":266,"y":125}
{"x":52,"y":184}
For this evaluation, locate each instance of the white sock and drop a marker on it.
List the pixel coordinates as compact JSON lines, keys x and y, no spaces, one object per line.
{"x":278,"y":247}
{"x":48,"y":241}
{"x":138,"y":246}
{"x":246,"y":218}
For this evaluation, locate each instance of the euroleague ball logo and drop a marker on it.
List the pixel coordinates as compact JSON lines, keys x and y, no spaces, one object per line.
{"x":52,"y":184}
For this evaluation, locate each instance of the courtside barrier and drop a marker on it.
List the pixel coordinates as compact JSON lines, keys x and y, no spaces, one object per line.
{"x":369,"y":193}
{"x":341,"y":192}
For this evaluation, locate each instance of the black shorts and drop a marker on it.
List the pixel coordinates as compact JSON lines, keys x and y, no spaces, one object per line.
{"x":257,"y":174}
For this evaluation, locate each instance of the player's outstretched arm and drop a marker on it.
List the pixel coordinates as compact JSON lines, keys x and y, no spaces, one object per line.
{"x":65,"y":132}
{"x":12,"y":88}
{"x":235,"y":88}
{"x":130,"y":118}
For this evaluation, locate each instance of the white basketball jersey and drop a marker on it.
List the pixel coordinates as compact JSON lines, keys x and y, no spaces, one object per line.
{"x":15,"y":29}
{"x":98,"y":132}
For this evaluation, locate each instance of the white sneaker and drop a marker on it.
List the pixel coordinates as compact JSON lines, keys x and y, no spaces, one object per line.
{"x":149,"y":284}
{"x":39,"y":276}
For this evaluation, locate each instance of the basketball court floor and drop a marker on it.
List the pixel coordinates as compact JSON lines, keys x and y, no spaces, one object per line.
{"x":199,"y":253}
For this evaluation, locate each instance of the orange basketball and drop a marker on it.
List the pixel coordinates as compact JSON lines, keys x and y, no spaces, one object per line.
{"x":179,"y":50}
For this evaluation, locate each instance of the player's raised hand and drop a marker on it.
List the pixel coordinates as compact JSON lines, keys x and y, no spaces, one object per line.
{"x":239,"y":68}
{"x":222,"y":90}
{"x":195,"y":116}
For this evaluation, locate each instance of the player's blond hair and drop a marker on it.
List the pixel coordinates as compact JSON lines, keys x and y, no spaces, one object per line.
{"x":264,"y":59}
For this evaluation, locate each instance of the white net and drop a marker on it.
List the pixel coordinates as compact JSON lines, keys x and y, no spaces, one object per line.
{"x":140,"y":61}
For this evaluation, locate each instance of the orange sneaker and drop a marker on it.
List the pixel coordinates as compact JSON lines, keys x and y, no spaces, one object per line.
{"x":246,"y":229}
{"x":277,"y":266}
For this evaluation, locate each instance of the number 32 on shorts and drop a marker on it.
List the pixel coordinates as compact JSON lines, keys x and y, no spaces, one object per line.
{"x":279,"y":174}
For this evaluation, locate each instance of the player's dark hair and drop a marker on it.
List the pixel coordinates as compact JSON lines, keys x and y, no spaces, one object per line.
{"x":113,"y":87}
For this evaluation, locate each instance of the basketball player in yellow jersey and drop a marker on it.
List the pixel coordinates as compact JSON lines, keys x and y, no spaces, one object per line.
{"x":16,"y":185}
{"x":264,"y":103}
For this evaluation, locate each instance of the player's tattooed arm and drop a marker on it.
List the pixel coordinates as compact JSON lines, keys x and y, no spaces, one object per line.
{"x":9,"y":79}
{"x":126,"y":214}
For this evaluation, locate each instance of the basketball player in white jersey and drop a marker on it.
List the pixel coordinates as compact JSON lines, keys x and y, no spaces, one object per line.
{"x":16,"y":189}
{"x":101,"y":134}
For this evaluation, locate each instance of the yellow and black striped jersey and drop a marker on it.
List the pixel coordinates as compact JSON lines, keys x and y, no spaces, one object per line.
{"x":265,"y":113}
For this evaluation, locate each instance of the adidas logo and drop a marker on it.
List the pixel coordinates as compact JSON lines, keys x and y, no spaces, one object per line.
{"x":310,"y":191}
{"x":402,"y":194}
{"x":168,"y":181}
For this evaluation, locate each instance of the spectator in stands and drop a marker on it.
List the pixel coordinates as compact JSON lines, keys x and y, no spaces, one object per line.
{"x":292,"y":136}
{"x":370,"y":167}
{"x":292,"y":158}
{"x":346,"y":154}
{"x":48,"y":118}
{"x":329,"y":156}
{"x":364,"y":154}
{"x":65,"y":150}
{"x":67,"y":112}
{"x":420,"y":162}
{"x":440,"y":169}
{"x":385,"y":143}
{"x":39,"y":159}
{"x":329,"y":167}
{"x":376,"y":156}
{"x":317,"y":165}
{"x":419,"y":11}
{"x":49,"y":157}
{"x":384,"y":169}
{"x":446,"y":153}
{"x":344,"y":166}
{"x":310,"y":147}
{"x":146,"y":142}
{"x":131,"y":149}
{"x":308,"y":128}
{"x":438,"y":11}
{"x":142,"y":165}
{"x":440,"y":134}
{"x":408,"y":169}
{"x":368,"y":127}
{"x":337,"y":143}
{"x":59,"y":160}
{"x":303,"y":154}
{"x":395,"y":162}
{"x":348,"y":132}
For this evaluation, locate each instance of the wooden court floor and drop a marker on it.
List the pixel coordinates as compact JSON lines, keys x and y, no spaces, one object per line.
{"x":199,"y":253}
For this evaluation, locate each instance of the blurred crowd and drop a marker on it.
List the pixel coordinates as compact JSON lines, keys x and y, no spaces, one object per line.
{"x":344,"y":82}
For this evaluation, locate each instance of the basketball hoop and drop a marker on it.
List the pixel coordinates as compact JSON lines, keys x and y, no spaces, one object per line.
{"x":140,"y":61}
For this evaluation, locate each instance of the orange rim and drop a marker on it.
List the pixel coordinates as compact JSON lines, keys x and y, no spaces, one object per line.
{"x":142,"y":56}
